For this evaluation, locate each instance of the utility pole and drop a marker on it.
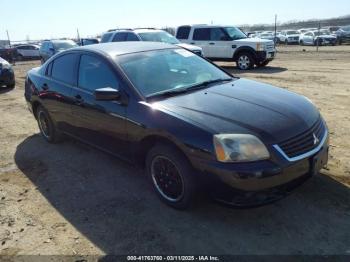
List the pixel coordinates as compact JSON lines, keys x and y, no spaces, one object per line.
{"x":78,"y":35}
{"x":8,"y":37}
{"x":318,"y":39}
{"x":275,"y":39}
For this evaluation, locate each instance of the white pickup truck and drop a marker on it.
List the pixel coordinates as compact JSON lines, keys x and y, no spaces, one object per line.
{"x":228,"y":43}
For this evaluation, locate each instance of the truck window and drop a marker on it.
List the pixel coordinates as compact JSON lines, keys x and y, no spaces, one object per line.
{"x":201,"y":34}
{"x":183,"y":32}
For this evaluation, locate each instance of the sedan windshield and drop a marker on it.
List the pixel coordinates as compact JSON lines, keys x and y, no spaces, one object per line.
{"x":64,"y":45}
{"x":292,"y":32}
{"x":235,"y":33}
{"x":169,"y":71}
{"x":159,"y":37}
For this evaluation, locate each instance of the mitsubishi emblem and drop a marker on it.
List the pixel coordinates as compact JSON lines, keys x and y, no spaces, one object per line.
{"x":316,"y":140}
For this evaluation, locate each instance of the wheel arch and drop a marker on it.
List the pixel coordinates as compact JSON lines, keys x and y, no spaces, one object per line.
{"x":244,"y":49}
{"x":148,"y":142}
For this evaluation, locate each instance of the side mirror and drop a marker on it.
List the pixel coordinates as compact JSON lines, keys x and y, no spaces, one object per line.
{"x":107,"y":94}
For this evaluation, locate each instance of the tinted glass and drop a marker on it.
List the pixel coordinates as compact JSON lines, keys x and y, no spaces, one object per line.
{"x":105,"y":38}
{"x":63,"y":69}
{"x":94,"y":74}
{"x":119,"y":37}
{"x":131,"y":37}
{"x":183,"y":32}
{"x":154,"y":72}
{"x":201,"y":34}
{"x":217,"y":34}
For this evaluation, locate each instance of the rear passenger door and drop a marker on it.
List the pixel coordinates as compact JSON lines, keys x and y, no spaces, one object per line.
{"x":101,"y":123}
{"x":56,"y":89}
{"x":201,"y":37}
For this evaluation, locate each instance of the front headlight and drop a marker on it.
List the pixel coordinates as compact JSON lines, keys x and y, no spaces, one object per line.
{"x":260,"y":47}
{"x":239,"y":148}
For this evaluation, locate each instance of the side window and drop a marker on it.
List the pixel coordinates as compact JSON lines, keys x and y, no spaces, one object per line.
{"x":183,"y":32}
{"x":63,"y":69}
{"x":44,"y":46}
{"x":119,"y":37}
{"x":201,"y":34}
{"x":217,"y":34}
{"x":94,"y":74}
{"x":131,"y":37}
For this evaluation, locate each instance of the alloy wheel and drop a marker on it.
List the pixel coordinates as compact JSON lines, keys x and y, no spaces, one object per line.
{"x":167,"y":178}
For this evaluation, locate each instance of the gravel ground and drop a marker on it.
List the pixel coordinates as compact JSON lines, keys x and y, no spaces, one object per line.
{"x":70,"y":199}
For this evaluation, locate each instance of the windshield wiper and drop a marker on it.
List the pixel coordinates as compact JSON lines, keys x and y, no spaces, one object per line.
{"x":177,"y":91}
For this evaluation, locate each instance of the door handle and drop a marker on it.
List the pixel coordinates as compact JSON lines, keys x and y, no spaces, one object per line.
{"x":78,"y":100}
{"x":45,"y":87}
{"x":211,"y":43}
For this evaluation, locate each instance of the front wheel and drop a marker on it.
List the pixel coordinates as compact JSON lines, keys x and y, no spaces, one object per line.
{"x":171,"y":176}
{"x":46,"y":126}
{"x":245,"y":61}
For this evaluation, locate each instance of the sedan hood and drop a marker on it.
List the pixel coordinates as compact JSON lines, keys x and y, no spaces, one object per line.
{"x":244,"y":106}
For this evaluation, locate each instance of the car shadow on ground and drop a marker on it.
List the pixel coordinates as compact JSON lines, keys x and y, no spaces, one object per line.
{"x":257,"y":70}
{"x":5,"y":89}
{"x":113,"y":205}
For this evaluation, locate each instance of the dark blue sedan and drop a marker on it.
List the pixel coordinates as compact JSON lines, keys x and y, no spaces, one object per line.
{"x":189,"y":123}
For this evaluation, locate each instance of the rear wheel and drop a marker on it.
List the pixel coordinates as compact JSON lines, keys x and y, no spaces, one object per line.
{"x":46,"y":126}
{"x":11,"y":86}
{"x":171,"y":176}
{"x":245,"y":61}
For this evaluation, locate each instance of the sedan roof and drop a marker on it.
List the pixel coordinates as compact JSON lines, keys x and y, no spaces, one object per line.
{"x":121,"y":48}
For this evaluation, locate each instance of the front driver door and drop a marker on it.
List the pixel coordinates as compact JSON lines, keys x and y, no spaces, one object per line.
{"x":101,"y":123}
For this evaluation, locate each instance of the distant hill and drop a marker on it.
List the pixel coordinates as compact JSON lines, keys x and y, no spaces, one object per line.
{"x":338,"y":21}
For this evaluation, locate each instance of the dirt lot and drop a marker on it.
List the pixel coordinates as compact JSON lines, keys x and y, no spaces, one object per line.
{"x":72,"y":199}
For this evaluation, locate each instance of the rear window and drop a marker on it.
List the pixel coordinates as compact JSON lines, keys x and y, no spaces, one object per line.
{"x":106,"y":37}
{"x":119,"y":37}
{"x":201,"y":34}
{"x":183,"y":32}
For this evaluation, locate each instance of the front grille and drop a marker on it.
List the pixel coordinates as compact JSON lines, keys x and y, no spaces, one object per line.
{"x":305,"y":141}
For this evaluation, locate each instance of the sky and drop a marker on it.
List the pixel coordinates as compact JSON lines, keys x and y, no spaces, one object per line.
{"x":40,"y":19}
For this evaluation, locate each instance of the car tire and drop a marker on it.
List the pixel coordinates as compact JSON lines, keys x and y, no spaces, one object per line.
{"x":245,"y":61}
{"x":11,"y":86}
{"x":286,"y":42}
{"x":171,"y":175}
{"x":47,"y":128}
{"x":19,"y":57}
{"x":301,"y":42}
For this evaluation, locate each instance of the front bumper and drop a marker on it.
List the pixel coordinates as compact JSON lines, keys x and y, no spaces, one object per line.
{"x":259,"y":179}
{"x":7,"y":77}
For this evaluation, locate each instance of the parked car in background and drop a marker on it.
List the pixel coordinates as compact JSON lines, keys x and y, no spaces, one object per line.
{"x":185,"y":120}
{"x":332,"y":29}
{"x":51,"y":47}
{"x":228,"y":43}
{"x":343,"y":35}
{"x":88,"y":41}
{"x":147,"y":34}
{"x":7,"y":76}
{"x":8,"y":53}
{"x":27,"y":52}
{"x":289,"y":37}
{"x":268,"y":36}
{"x":317,"y":38}
{"x":304,"y":30}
